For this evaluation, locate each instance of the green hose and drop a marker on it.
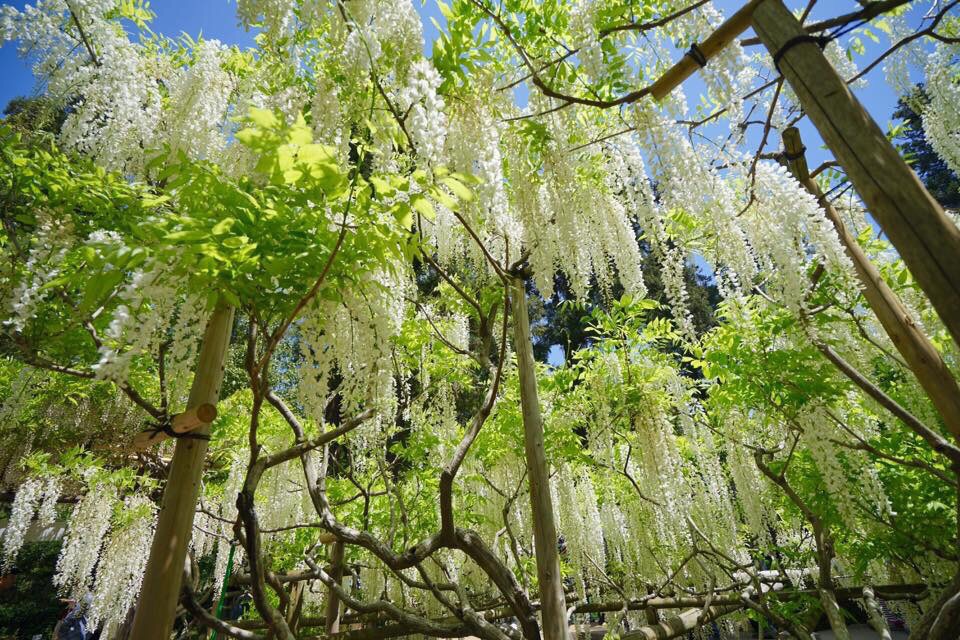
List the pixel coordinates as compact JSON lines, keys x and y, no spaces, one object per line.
{"x":223,"y":589}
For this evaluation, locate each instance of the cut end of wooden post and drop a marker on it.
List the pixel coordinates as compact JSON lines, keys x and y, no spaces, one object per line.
{"x":193,"y":418}
{"x":794,"y":151}
{"x":189,"y":420}
{"x":207,"y":413}
{"x":326,"y":538}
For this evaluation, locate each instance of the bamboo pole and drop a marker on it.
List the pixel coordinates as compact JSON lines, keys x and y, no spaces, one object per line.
{"x":157,"y":604}
{"x":550,"y":580}
{"x":925,"y":238}
{"x":918,"y":352}
{"x":711,"y":46}
{"x":679,"y":625}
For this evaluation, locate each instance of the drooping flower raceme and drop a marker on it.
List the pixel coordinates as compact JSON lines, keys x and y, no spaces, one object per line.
{"x":88,"y":525}
{"x":197,"y":104}
{"x":22,"y":510}
{"x":47,"y":513}
{"x":43,"y":264}
{"x":941,"y":117}
{"x":276,"y":16}
{"x":121,"y":566}
{"x":427,"y":121}
{"x":146,"y":304}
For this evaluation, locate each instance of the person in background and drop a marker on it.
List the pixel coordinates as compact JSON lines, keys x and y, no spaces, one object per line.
{"x":74,"y":624}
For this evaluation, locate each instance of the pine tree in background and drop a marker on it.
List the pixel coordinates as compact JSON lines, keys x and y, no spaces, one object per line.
{"x":943,"y":183}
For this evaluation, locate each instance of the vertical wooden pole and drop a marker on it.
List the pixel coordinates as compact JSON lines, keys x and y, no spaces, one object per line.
{"x":925,"y":238}
{"x":295,"y":607}
{"x":552,"y":602}
{"x":333,"y":601}
{"x":160,"y":593}
{"x":918,"y":352}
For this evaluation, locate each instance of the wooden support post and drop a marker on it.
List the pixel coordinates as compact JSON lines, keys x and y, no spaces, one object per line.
{"x":552,"y":603}
{"x":918,"y":352}
{"x":295,"y":606}
{"x":925,"y":238}
{"x":333,"y":602}
{"x":157,"y":604}
{"x":650,"y":613}
{"x":831,"y":609}
{"x":711,"y":46}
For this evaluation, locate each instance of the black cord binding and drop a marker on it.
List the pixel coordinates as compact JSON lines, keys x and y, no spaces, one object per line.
{"x":820,"y":41}
{"x":164,"y":427}
{"x":790,"y":157}
{"x":697,"y":55}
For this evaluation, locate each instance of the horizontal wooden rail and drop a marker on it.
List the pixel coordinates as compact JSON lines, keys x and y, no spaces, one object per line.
{"x":189,"y":420}
{"x":714,"y":44}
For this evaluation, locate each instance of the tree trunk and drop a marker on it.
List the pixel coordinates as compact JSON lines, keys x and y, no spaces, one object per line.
{"x":161,"y":582}
{"x":919,"y":353}
{"x":828,"y":596}
{"x":544,"y":528}
{"x":925,"y":238}
{"x":935,"y":623}
{"x":333,"y":602}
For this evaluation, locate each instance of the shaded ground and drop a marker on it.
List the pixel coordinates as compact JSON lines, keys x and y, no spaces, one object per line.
{"x":860,"y":632}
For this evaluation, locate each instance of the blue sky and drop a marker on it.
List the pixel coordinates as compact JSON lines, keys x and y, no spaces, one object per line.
{"x":217,"y":19}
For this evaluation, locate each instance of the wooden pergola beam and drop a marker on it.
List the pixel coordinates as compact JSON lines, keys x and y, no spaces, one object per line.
{"x":716,"y":42}
{"x":927,"y":241}
{"x":918,"y":352}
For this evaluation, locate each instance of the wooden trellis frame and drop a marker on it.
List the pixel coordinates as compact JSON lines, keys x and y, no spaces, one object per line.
{"x":915,"y":223}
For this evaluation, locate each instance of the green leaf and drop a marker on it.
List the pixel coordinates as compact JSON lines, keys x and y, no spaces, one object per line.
{"x":458,"y":188}
{"x":235,"y":242}
{"x":187,"y":235}
{"x":263,"y":118}
{"x":404,"y":215}
{"x":423,"y":206}
{"x":382,"y":187}
{"x":222,"y":227}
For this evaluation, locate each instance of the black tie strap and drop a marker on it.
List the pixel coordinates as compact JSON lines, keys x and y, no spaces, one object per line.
{"x":164,"y":427}
{"x":697,"y":55}
{"x":820,"y":41}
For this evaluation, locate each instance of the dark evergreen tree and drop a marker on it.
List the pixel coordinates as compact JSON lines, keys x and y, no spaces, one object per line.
{"x":942,"y":183}
{"x":556,"y":324}
{"x":28,"y":601}
{"x":34,"y":115}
